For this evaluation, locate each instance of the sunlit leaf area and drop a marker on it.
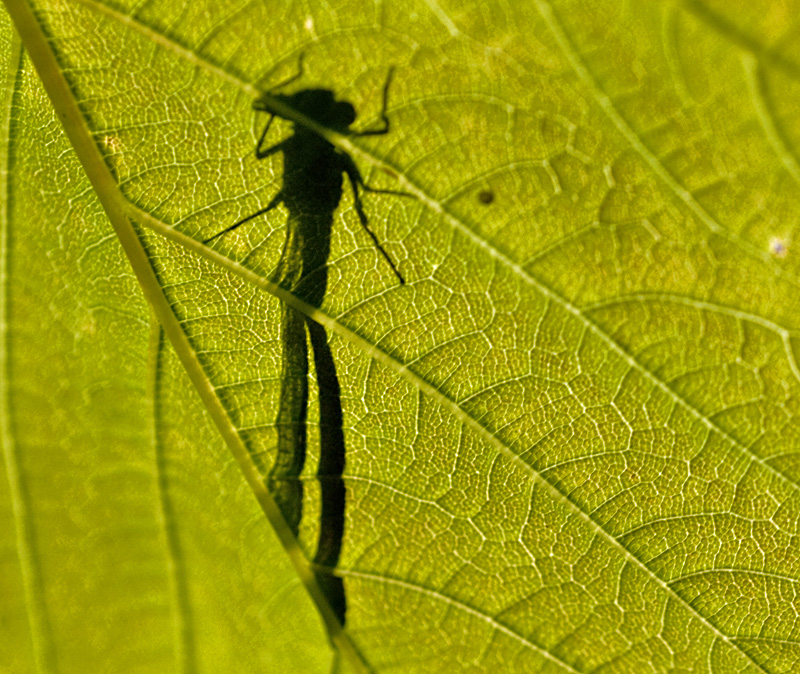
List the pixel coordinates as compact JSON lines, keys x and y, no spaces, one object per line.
{"x":503,"y":377}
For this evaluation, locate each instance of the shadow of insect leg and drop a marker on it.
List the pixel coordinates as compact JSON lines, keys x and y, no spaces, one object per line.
{"x":385,"y":127}
{"x":353,"y":174}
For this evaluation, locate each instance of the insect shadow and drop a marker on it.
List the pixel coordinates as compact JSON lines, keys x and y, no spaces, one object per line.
{"x":313,"y":171}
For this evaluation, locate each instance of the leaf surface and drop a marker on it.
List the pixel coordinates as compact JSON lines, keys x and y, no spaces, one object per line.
{"x":571,"y":437}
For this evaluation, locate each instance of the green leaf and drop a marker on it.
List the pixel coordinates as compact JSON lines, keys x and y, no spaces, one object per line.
{"x":571,"y":437}
{"x":128,"y":539}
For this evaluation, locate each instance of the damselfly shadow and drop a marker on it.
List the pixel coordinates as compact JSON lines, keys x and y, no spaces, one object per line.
{"x":313,"y":171}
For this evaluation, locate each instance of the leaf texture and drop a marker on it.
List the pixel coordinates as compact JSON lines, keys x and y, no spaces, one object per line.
{"x":571,"y":437}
